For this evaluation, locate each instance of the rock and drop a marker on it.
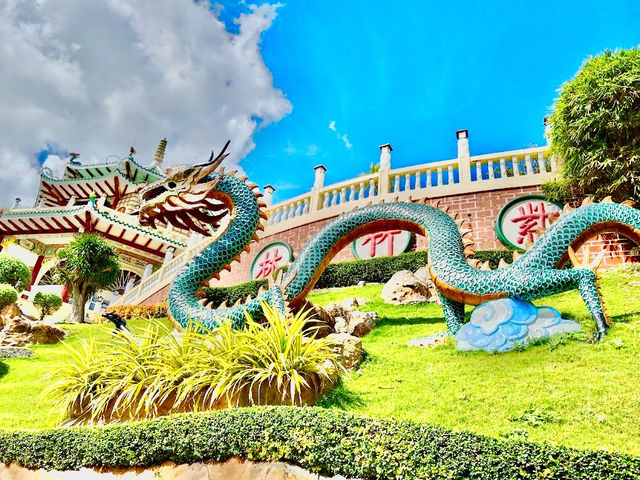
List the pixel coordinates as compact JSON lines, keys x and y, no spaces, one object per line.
{"x":404,"y":288}
{"x":361,"y":323}
{"x":349,"y":348}
{"x":349,"y":320}
{"x":336,"y":310}
{"x":424,"y":276}
{"x":18,"y":331}
{"x":319,"y":319}
{"x":15,"y":352}
{"x":429,"y":342}
{"x":353,"y":303}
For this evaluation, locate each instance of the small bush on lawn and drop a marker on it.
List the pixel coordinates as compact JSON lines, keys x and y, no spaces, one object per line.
{"x":14,"y":272}
{"x":327,"y":441}
{"x":8,"y":295}
{"x":155,"y":373}
{"x":47,"y":303}
{"x":157,"y":310}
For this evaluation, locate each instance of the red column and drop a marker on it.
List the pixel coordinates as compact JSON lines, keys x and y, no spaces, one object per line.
{"x":35,"y":271}
{"x":65,"y":294}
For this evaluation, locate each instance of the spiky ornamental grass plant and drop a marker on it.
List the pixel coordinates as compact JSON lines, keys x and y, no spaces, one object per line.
{"x":279,"y":361}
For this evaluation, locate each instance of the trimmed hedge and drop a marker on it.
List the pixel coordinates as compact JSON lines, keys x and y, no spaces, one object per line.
{"x":14,"y":272}
{"x":8,"y":295}
{"x":329,"y":441}
{"x":346,"y":274}
{"x":231,"y":294}
{"x":376,"y":270}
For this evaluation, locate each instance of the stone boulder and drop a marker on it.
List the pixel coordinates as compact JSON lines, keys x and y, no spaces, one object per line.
{"x":347,"y":319}
{"x":349,"y":349}
{"x":404,"y":288}
{"x":17,"y":330}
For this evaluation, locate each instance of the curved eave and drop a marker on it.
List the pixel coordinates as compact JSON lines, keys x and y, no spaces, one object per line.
{"x":72,"y":220}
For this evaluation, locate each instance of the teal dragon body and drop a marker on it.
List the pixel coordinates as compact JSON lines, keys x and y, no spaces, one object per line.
{"x":193,"y":197}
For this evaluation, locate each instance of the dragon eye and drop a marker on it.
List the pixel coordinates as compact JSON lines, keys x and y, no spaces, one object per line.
{"x":171,"y":184}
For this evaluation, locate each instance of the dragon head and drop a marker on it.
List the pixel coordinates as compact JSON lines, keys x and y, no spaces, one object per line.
{"x":186,"y":198}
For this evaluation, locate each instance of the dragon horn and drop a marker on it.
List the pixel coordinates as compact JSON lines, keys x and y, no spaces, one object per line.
{"x":211,"y":164}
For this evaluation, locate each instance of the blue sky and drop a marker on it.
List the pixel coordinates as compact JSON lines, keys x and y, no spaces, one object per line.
{"x":413,"y":74}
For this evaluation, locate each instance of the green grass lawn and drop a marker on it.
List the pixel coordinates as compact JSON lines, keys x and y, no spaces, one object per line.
{"x":569,"y":392}
{"x":22,"y":379}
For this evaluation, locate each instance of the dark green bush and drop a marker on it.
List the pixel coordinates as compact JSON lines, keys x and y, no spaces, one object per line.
{"x":8,"y":295}
{"x":231,"y":294}
{"x":346,"y":274}
{"x":494,"y":256}
{"x":377,"y":270}
{"x":328,"y":441}
{"x":14,"y":272}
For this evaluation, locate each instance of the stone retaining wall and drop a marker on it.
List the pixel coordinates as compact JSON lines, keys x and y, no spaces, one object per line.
{"x":232,"y":469}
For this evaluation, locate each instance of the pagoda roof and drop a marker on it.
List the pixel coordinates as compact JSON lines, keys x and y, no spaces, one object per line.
{"x":106,"y":179}
{"x":128,"y":167}
{"x":122,"y":229}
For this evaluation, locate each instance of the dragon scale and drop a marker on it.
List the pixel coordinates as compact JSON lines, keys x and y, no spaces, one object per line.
{"x":189,"y":197}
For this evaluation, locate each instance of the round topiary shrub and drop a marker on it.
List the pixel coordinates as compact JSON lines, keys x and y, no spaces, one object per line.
{"x":8,"y":295}
{"x":14,"y":272}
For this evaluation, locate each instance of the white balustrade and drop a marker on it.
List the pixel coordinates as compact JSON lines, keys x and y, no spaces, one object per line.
{"x":532,"y":166}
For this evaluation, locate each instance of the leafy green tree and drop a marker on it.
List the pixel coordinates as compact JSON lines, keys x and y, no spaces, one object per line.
{"x":87,"y":265}
{"x":595,"y":129}
{"x":47,"y":303}
{"x":14,"y":272}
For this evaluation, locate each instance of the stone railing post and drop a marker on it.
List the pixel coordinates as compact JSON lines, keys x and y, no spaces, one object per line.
{"x":385,"y":167}
{"x":268,"y":194}
{"x":464,"y":164}
{"x":318,"y":183}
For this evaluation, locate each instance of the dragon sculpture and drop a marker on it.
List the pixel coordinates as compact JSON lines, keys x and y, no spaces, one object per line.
{"x":198,"y":197}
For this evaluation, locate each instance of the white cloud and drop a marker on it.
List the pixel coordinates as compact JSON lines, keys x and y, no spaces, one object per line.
{"x":97,"y":77}
{"x":312,"y":150}
{"x":341,"y":136}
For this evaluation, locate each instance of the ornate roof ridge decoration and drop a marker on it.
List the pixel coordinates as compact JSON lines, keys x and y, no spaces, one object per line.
{"x":110,"y":167}
{"x":146,"y":230}
{"x":102,"y":213}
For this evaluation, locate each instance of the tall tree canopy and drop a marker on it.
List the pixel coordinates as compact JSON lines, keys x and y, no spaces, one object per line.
{"x":595,"y":129}
{"x":87,"y":265}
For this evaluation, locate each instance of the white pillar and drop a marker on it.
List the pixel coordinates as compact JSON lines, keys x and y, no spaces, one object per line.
{"x":385,"y":166}
{"x":168,"y":256}
{"x":129,"y":285}
{"x":147,"y":270}
{"x":72,"y":200}
{"x":464,"y":165}
{"x":101,"y":201}
{"x":268,"y":194}
{"x":318,"y":183}
{"x":16,"y":203}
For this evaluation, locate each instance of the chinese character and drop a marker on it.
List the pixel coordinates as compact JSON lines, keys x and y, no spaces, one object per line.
{"x":269,"y":264}
{"x":532,"y":218}
{"x":379,"y":238}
